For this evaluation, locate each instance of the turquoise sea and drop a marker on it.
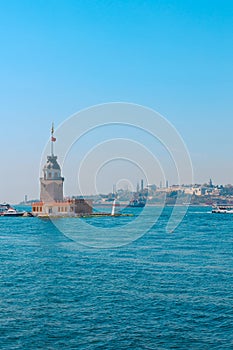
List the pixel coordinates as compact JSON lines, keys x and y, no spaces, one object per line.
{"x":162,"y":291}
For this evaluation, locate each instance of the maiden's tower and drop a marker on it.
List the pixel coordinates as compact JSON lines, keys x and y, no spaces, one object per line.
{"x":51,"y":184}
{"x":51,"y":191}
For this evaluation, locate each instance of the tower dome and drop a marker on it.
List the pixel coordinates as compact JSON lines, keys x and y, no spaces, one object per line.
{"x":52,"y":169}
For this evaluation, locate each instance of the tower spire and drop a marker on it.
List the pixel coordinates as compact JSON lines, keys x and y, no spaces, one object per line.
{"x":53,"y":139}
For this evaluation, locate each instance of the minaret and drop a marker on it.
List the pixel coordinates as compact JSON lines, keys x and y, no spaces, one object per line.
{"x":142,"y":185}
{"x":51,"y":184}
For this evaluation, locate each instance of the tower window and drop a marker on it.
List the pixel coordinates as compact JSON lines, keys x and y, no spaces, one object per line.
{"x":49,"y":175}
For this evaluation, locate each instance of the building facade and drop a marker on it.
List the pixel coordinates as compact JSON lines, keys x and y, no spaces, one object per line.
{"x":68,"y":208}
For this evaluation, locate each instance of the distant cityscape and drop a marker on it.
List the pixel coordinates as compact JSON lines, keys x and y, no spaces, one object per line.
{"x":195,"y":194}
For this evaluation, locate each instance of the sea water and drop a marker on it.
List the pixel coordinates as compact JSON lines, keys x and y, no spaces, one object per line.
{"x":160,"y":291}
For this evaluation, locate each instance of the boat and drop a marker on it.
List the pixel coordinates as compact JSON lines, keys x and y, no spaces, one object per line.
{"x":4,"y":207}
{"x":11,"y":212}
{"x":137,"y":203}
{"x":222,"y":209}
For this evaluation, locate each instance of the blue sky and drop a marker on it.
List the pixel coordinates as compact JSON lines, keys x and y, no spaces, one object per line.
{"x":58,"y":57}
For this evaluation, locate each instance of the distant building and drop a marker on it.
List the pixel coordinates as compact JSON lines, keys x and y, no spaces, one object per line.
{"x":142,"y":185}
{"x":52,"y":202}
{"x":197,"y":191}
{"x":151,"y":188}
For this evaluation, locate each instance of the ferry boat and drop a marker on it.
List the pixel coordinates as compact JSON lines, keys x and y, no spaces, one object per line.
{"x":222,"y":209}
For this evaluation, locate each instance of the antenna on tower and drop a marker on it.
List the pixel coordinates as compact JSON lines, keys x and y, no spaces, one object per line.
{"x":53,"y":139}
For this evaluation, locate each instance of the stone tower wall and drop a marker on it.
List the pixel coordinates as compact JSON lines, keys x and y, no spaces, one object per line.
{"x":51,"y":190}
